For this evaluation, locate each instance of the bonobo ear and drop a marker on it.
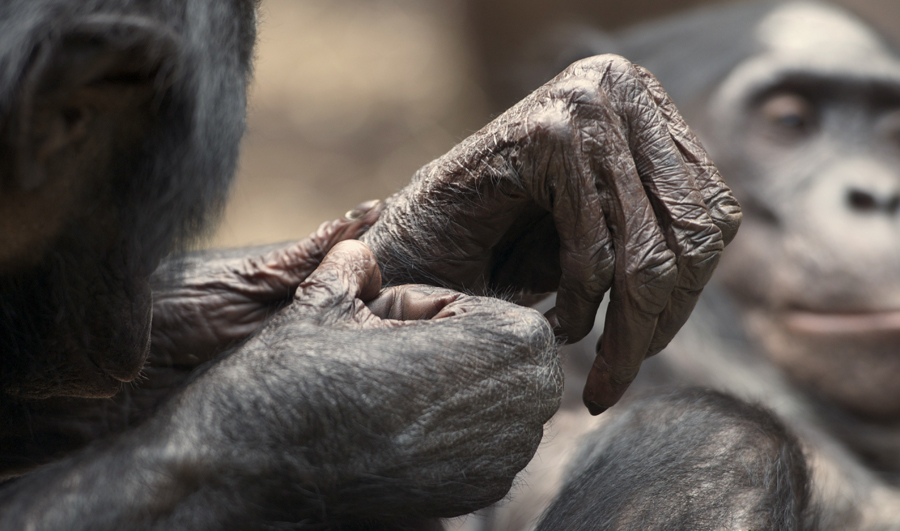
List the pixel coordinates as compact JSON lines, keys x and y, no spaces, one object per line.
{"x":85,"y":88}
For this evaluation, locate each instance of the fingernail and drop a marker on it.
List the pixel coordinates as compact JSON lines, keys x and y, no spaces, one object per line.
{"x":552,"y":318}
{"x":361,"y":209}
{"x":595,"y":408}
{"x":599,"y":391}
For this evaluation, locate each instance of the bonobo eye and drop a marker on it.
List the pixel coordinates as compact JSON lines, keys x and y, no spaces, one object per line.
{"x":889,"y":126}
{"x":788,"y":115}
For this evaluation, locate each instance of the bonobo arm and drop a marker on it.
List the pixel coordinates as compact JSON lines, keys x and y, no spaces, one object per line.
{"x":593,"y":182}
{"x":334,"y":412}
{"x":205,"y":302}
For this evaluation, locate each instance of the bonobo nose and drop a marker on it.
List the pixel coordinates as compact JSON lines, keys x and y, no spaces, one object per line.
{"x":870,"y":201}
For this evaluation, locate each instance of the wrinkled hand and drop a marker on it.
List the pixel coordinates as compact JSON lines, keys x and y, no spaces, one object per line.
{"x":206,"y":302}
{"x":592,"y":183}
{"x":414,"y":400}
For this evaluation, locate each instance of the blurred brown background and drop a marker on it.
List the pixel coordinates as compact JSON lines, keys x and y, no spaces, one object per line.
{"x":352,"y":96}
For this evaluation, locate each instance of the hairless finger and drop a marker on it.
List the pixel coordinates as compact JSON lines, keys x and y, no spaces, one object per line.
{"x":682,"y":213}
{"x":566,"y":160}
{"x":289,"y":266}
{"x":349,"y":271}
{"x":412,"y":302}
{"x":723,"y":207}
{"x":645,"y":271}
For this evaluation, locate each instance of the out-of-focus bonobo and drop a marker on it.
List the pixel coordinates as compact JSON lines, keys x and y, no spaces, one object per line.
{"x":323,"y":401}
{"x":799,"y":104}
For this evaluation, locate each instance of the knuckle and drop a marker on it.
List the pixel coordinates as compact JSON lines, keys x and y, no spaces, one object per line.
{"x":700,"y":255}
{"x":533,"y":330}
{"x":704,"y":244}
{"x":580,"y":90}
{"x":727,"y":216}
{"x":522,"y":341}
{"x":352,"y":250}
{"x":586,"y":83}
{"x":601,"y":65}
{"x":324,"y":293}
{"x":528,"y":334}
{"x":625,"y":374}
{"x":551,"y":122}
{"x":649,"y":286}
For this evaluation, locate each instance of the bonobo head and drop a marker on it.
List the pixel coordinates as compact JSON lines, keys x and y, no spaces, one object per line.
{"x":799,"y":105}
{"x":808,"y":129}
{"x":119,"y":129}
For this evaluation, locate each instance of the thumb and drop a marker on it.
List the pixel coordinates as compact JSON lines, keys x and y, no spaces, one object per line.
{"x":348,"y":272}
{"x":278,"y":273}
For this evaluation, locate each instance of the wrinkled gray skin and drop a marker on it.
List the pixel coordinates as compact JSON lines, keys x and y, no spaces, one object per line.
{"x":799,"y":104}
{"x":282,"y":386}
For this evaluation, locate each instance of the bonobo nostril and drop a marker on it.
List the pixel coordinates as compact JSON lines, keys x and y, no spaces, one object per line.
{"x":862,"y":201}
{"x":893,"y":205}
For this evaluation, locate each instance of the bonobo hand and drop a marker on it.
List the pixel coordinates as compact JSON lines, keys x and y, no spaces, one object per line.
{"x":207,"y":301}
{"x":336,"y":410}
{"x":378,"y":413}
{"x":593,"y":182}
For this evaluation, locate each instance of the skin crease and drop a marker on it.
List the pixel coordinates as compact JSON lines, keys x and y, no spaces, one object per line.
{"x":797,"y":103}
{"x":202,"y":303}
{"x":650,"y":238}
{"x":272,"y":388}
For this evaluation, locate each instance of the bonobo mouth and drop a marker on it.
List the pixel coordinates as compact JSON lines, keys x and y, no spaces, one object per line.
{"x":840,"y":324}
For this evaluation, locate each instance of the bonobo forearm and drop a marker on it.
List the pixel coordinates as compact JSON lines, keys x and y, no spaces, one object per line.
{"x":203,"y":462}
{"x":305,"y":422}
{"x":408,"y":441}
{"x":207,"y":302}
{"x":135,"y":482}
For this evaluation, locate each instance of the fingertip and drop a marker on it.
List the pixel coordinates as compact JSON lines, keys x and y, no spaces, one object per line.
{"x":364,"y":209}
{"x":600,"y":393}
{"x":550,"y":316}
{"x":569,"y":330}
{"x":299,"y":259}
{"x":355,"y":262}
{"x":363,"y":264}
{"x":576,"y":308}
{"x":353,"y":225}
{"x":727,"y":216}
{"x":594,"y":408}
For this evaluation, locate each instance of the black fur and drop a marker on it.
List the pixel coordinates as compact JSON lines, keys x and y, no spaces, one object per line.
{"x":168,"y":187}
{"x":690,"y":459}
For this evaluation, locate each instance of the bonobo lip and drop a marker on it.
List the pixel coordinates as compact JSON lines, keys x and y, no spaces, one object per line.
{"x":96,"y":382}
{"x":842,"y":323}
{"x":120,"y":374}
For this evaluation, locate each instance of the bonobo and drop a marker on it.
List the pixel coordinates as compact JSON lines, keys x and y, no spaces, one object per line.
{"x":799,"y":103}
{"x":282,"y":386}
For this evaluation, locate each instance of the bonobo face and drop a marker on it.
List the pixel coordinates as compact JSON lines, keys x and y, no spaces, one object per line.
{"x":119,"y":127}
{"x":808,"y":134}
